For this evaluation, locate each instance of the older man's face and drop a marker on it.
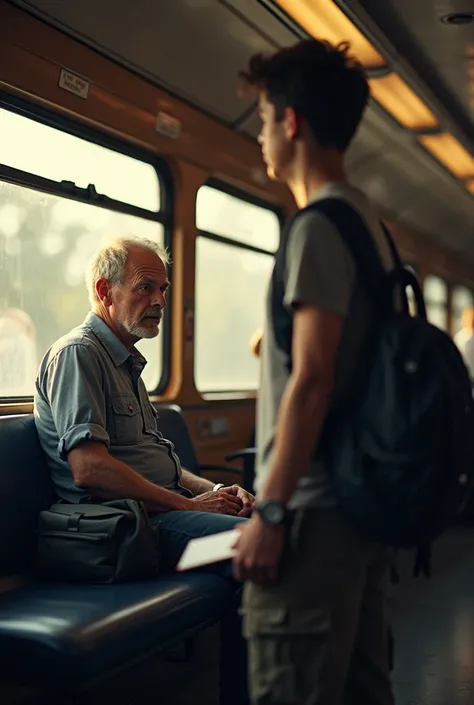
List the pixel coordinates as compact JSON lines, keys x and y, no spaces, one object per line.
{"x":138,"y":304}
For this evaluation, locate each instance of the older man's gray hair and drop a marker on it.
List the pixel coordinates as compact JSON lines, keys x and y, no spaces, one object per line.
{"x":110,"y":260}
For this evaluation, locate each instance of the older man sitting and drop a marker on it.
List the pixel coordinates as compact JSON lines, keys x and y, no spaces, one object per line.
{"x":95,"y":421}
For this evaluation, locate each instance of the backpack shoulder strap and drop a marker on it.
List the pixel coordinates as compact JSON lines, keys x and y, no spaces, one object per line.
{"x":281,"y":318}
{"x":360,"y":244}
{"x":380,"y":283}
{"x":393,"y":248}
{"x":358,"y":240}
{"x":354,"y":232}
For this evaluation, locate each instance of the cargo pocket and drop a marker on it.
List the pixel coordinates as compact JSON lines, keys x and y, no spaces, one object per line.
{"x":128,"y":423}
{"x":286,"y":651}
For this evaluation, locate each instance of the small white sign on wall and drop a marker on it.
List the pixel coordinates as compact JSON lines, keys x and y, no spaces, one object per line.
{"x":167,"y":125}
{"x":74,"y":84}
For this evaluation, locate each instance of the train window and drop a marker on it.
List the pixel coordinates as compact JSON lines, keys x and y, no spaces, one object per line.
{"x":45,"y":151}
{"x":435,"y":292}
{"x":223,"y":214}
{"x":462,"y":298}
{"x":46,"y":240}
{"x":234,"y":258}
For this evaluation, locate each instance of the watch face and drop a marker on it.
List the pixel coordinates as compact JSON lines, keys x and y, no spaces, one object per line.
{"x":274,"y":513}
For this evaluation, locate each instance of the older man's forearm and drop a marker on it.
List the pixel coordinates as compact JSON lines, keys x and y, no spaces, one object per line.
{"x":197,"y":485}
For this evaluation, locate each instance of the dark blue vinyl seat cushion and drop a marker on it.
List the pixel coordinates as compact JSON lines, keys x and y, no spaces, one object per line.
{"x":71,"y":633}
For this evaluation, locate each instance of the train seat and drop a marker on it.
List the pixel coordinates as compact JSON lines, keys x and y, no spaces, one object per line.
{"x":173,"y":426}
{"x":55,"y":633}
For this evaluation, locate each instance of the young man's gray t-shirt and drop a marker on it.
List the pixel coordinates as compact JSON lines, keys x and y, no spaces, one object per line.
{"x":320,"y":271}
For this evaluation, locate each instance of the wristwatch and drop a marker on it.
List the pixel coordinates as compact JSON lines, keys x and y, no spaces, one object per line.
{"x":271,"y":512}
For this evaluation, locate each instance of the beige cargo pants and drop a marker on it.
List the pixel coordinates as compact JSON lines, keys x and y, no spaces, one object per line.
{"x":319,"y":635}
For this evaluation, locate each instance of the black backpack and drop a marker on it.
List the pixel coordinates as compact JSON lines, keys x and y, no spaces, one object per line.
{"x":400,"y":450}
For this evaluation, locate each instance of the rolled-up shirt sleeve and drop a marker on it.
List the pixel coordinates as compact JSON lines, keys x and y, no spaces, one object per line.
{"x":74,"y":387}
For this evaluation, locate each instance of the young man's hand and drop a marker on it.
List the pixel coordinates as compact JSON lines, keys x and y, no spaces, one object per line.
{"x":259,"y":550}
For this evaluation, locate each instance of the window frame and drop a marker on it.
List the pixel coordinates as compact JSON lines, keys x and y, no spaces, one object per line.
{"x":247,"y":197}
{"x":447,"y":303}
{"x":453,"y":311}
{"x":67,"y":190}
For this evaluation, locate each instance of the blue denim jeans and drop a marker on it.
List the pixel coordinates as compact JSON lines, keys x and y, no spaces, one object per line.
{"x":176,"y":529}
{"x":179,"y":527}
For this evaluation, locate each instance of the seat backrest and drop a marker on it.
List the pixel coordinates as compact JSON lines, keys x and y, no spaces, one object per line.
{"x":25,"y":489}
{"x":172,"y":424}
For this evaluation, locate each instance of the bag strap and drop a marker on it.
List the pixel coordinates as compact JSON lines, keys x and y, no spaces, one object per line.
{"x":360,"y":243}
{"x":393,"y":248}
{"x":357,"y":239}
{"x":380,"y":283}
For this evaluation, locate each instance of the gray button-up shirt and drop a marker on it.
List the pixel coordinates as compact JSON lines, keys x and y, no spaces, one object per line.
{"x":89,"y":387}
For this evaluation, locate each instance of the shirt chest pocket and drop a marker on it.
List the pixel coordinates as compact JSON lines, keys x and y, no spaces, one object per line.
{"x":127,"y":419}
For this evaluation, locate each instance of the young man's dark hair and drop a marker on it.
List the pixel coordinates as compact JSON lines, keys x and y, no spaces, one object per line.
{"x":323,"y":83}
{"x":317,"y":589}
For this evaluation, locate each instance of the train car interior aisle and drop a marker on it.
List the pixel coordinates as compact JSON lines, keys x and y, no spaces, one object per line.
{"x":122,"y":118}
{"x":433,"y":622}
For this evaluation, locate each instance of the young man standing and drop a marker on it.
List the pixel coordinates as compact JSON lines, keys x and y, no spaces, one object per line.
{"x":314,"y":605}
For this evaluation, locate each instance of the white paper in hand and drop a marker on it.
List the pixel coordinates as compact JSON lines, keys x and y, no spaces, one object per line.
{"x":208,"y":549}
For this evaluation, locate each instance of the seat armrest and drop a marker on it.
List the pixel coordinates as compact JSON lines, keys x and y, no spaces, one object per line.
{"x":221,"y":468}
{"x":242,"y":453}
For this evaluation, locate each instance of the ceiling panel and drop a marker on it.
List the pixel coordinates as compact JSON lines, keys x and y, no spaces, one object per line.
{"x":196,"y":48}
{"x":267,"y":24}
{"x":193,"y":47}
{"x":404,"y":180}
{"x":442,"y":55}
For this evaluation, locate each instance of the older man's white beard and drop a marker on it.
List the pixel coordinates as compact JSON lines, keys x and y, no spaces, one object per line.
{"x":140,"y":331}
